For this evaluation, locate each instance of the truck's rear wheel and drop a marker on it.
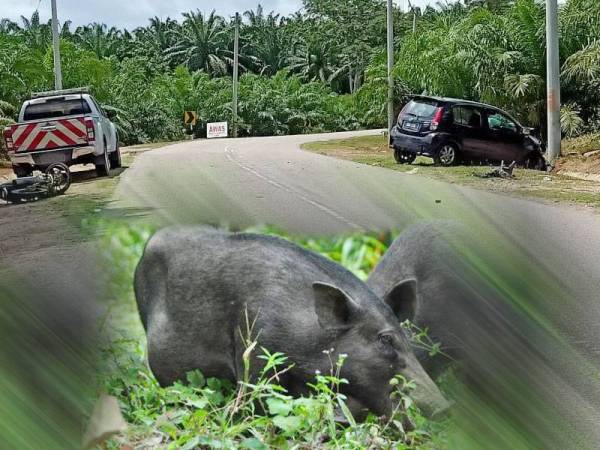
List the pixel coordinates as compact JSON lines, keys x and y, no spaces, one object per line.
{"x":115,"y":157}
{"x":103,"y":168}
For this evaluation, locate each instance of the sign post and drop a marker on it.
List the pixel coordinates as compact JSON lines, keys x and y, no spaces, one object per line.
{"x":190,"y":118}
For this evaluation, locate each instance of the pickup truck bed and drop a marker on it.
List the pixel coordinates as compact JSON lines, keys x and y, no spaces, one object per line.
{"x":50,"y":134}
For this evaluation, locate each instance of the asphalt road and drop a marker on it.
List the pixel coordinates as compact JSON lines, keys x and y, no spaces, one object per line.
{"x":245,"y":182}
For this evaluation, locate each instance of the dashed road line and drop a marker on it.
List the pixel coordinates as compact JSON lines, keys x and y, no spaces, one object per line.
{"x":229,"y":153}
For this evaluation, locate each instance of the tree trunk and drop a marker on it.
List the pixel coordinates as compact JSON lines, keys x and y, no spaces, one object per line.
{"x":357,"y":81}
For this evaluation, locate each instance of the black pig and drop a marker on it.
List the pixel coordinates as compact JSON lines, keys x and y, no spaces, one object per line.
{"x":196,"y":287}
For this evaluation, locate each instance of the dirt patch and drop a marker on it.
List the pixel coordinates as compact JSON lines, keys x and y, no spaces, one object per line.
{"x":52,"y":228}
{"x":580,"y":164}
{"x":6,"y":174}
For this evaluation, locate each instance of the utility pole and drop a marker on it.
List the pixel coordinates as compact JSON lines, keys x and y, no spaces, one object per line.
{"x":236,"y":49}
{"x":412,"y":8}
{"x":553,"y":81}
{"x":390,"y":58}
{"x":56,"y":48}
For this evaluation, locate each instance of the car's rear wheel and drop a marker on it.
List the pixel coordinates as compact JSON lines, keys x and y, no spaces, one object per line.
{"x":447,"y":155}
{"x":403,"y":157}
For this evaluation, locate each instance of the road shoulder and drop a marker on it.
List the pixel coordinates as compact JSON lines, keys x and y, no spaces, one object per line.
{"x":564,"y":187}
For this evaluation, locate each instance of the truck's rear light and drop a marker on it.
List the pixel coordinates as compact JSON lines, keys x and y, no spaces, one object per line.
{"x":91,"y":134}
{"x":437,"y":119}
{"x":8,"y":139}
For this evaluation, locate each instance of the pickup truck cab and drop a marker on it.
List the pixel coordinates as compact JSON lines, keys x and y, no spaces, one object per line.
{"x":67,"y":127}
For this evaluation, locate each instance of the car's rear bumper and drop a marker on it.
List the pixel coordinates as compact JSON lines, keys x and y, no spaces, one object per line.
{"x":420,"y":145}
{"x":47,"y":157}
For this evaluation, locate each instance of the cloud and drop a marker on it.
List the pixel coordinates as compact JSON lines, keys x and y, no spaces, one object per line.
{"x":133,"y":13}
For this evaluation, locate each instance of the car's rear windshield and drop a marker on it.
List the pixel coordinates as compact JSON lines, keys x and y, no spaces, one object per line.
{"x":56,"y":108}
{"x":421,"y":108}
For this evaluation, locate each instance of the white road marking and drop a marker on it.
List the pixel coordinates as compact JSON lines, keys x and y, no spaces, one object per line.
{"x":326,"y":209}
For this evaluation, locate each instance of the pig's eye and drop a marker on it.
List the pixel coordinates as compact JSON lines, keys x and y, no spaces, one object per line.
{"x":387,"y":340}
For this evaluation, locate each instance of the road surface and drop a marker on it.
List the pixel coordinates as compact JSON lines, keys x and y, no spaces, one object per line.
{"x":244,"y":182}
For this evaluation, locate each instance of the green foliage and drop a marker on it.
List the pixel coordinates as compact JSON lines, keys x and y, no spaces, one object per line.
{"x":571,"y":122}
{"x":212,"y":413}
{"x":6,"y":112}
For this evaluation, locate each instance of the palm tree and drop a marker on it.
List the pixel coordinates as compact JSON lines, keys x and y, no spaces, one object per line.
{"x":159,"y":35}
{"x":264,"y":41}
{"x":312,"y":60}
{"x":38,"y":36}
{"x":492,"y":5}
{"x":162,"y":32}
{"x":8,"y":26}
{"x":65,"y":29}
{"x":202,"y":43}
{"x":100,"y":39}
{"x":584,"y":65}
{"x":258,"y":19}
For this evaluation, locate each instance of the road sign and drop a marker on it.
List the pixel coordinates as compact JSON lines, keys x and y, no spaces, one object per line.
{"x":216,"y":130}
{"x":190,"y":118}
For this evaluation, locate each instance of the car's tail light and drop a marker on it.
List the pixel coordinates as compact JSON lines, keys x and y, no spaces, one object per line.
{"x":437,"y":119}
{"x":91,"y":133}
{"x":8,"y":139}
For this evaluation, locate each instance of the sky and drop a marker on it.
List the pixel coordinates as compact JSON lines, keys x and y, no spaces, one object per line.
{"x":133,"y":13}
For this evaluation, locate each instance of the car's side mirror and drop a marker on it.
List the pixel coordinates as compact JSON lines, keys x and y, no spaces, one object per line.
{"x":527,"y":131}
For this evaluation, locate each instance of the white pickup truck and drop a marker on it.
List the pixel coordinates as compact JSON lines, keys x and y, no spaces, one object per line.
{"x":65,"y":126}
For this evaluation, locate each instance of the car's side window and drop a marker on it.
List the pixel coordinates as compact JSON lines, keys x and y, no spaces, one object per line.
{"x":467,"y":116}
{"x":498,"y":121}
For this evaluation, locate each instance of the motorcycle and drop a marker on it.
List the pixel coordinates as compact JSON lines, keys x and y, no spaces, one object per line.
{"x":56,"y":180}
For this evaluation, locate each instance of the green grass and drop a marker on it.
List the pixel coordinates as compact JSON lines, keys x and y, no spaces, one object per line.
{"x":256,"y":414}
{"x":536,"y":185}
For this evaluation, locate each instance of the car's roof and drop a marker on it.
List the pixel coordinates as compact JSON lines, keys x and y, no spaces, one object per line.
{"x":455,"y":101}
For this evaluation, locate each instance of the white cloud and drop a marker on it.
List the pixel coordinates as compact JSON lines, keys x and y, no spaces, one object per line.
{"x":133,"y":13}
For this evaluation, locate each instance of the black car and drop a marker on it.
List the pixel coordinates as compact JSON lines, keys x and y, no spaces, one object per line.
{"x":452,"y":131}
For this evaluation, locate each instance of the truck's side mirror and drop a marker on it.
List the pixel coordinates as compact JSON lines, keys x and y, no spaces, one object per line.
{"x":110,"y":113}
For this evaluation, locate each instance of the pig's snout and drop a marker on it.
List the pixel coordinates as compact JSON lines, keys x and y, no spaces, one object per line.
{"x":426,"y":395}
{"x":438,"y":412}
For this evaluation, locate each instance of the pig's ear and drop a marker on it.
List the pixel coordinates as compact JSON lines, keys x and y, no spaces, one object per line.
{"x":402,"y":298}
{"x":333,"y":306}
